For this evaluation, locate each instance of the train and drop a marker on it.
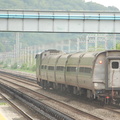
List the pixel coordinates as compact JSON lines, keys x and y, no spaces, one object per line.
{"x":95,"y":75}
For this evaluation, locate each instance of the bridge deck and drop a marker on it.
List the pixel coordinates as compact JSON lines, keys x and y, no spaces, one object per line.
{"x":59,"y":21}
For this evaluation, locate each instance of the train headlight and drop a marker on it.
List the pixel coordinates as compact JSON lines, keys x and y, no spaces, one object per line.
{"x":96,"y":84}
{"x":100,"y":62}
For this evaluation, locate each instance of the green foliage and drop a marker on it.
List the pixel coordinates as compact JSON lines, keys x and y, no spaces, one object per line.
{"x":53,"y":5}
{"x":14,"y":66}
{"x":33,"y":68}
{"x":112,"y":8}
{"x":1,"y":63}
{"x":96,"y":6}
{"x":118,"y":46}
{"x":7,"y":41}
{"x":2,"y":47}
{"x":5,"y":65}
{"x":24,"y":66}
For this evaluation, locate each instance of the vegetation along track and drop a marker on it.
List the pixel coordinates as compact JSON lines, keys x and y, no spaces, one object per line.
{"x":30,"y":91}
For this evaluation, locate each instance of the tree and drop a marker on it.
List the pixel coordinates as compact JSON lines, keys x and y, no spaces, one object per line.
{"x":2,"y":47}
{"x":118,"y":46}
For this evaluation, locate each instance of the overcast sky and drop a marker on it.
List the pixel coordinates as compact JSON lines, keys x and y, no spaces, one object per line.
{"x":115,"y":3}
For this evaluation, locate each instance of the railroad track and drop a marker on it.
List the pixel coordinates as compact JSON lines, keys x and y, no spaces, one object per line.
{"x":107,"y":108}
{"x":24,"y":114}
{"x":20,"y":79}
{"x":116,"y":110}
{"x":18,"y":74}
{"x":40,"y":97}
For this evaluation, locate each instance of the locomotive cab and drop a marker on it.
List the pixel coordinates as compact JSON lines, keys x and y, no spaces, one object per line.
{"x":106,"y":75}
{"x":114,"y":74}
{"x":113,"y":81}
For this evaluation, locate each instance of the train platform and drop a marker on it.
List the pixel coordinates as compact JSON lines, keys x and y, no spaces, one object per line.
{"x":7,"y":112}
{"x":2,"y":117}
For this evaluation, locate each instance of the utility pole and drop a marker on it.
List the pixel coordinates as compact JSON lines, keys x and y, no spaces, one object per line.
{"x":17,"y":48}
{"x":78,"y":44}
{"x":69,"y":45}
{"x":87,"y":40}
{"x":28,"y":57}
{"x":114,"y":41}
{"x":96,"y":40}
{"x":25,"y":55}
{"x":106,"y":43}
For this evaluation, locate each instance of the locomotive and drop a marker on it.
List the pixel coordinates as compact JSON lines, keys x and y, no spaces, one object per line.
{"x":95,"y":75}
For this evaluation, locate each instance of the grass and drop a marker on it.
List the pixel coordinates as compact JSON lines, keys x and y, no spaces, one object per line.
{"x":3,"y":103}
{"x":28,"y":71}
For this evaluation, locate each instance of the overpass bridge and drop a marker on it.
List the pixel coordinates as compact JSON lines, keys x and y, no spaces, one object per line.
{"x":59,"y":21}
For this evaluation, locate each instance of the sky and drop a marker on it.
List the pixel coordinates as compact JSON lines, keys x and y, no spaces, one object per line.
{"x":107,"y":3}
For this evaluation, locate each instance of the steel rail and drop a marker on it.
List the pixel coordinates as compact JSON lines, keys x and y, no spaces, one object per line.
{"x":40,"y":107}
{"x":53,"y":110}
{"x":17,"y":108}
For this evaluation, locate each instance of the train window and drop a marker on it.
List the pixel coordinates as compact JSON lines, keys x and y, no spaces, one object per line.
{"x":45,"y":67}
{"x":68,"y":68}
{"x":85,"y":69}
{"x":42,"y":67}
{"x":60,"y":68}
{"x":71,"y":69}
{"x":50,"y":68}
{"x":115,"y":65}
{"x":81,"y":69}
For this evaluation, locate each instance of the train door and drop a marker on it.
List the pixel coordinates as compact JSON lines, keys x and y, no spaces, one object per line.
{"x":114,"y":74}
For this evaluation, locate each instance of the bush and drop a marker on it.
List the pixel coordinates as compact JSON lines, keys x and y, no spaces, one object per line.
{"x":1,"y":63}
{"x":24,"y":67}
{"x":118,"y":46}
{"x":5,"y":66}
{"x":14,"y":66}
{"x":33,"y":68}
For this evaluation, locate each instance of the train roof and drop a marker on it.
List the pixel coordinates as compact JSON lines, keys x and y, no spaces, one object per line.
{"x":94,"y":53}
{"x":100,"y":52}
{"x":50,"y":50}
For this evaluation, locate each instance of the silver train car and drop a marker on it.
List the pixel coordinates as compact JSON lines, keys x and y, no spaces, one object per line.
{"x":92,"y":74}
